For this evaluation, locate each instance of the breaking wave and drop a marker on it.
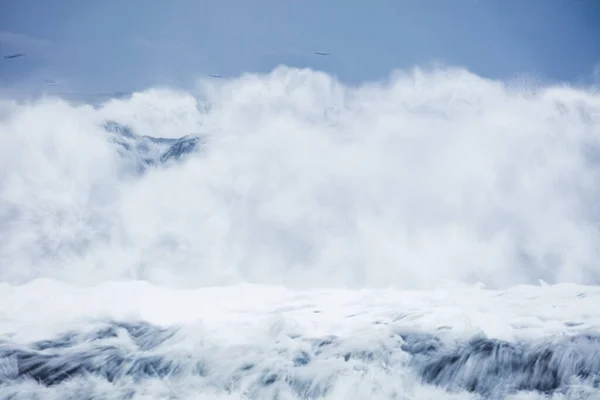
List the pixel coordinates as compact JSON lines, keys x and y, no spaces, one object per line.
{"x":429,"y":177}
{"x":293,"y":179}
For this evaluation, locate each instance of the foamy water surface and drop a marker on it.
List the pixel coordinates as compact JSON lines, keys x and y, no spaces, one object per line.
{"x":286,"y":236}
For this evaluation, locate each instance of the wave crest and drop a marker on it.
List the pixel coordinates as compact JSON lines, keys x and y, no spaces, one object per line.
{"x":302,"y":181}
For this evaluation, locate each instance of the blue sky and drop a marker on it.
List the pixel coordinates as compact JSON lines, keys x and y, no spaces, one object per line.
{"x":123,"y":45}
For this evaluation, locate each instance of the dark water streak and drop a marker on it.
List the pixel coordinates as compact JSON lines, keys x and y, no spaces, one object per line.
{"x":138,"y":351}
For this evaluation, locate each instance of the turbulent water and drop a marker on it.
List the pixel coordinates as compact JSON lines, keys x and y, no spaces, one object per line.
{"x":286,"y":236}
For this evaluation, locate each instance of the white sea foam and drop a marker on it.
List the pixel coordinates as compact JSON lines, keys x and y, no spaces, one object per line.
{"x":431,"y":176}
{"x":383,"y":203}
{"x":332,"y":344}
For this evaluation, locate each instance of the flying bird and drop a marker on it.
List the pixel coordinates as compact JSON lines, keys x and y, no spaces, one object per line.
{"x":15,"y":55}
{"x":321,"y":53}
{"x":216,"y":75}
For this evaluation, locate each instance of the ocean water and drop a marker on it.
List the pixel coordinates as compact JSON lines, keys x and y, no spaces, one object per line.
{"x":287,"y":236}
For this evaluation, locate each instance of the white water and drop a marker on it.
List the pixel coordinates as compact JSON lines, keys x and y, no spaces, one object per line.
{"x":433,"y":181}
